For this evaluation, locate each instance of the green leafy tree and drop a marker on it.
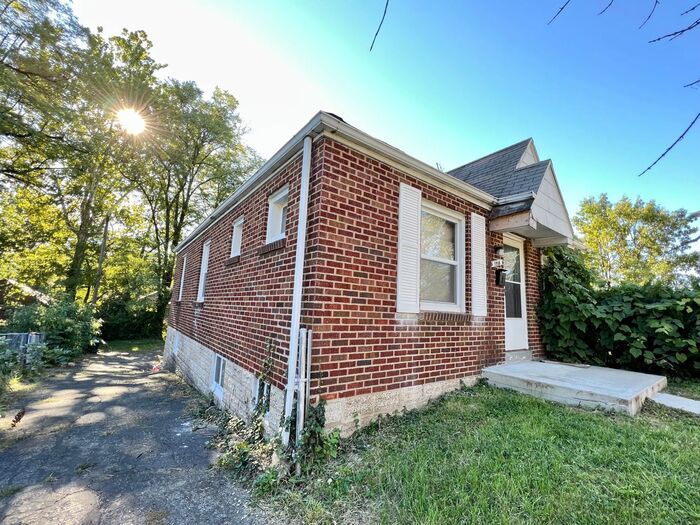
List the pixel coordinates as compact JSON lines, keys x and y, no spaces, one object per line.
{"x":638,"y":242}
{"x":195,"y":159}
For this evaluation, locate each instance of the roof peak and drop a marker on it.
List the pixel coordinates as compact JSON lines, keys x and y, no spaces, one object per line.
{"x":493,"y":153}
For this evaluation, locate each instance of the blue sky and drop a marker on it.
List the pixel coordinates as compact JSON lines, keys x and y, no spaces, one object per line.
{"x":448,"y":82}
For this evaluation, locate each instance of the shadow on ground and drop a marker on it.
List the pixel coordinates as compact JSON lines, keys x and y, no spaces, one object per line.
{"x":111,"y":442}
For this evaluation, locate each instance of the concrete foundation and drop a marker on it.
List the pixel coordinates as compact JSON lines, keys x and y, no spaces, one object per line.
{"x":350,"y":413}
{"x":195,"y":363}
{"x":586,"y":386}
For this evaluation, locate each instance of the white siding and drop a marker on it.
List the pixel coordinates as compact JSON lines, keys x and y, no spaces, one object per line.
{"x":548,"y":208}
{"x":479,"y":276}
{"x":408,"y":265}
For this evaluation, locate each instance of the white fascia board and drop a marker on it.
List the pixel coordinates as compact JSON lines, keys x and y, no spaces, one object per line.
{"x":415,"y":166}
{"x":325,"y":122}
{"x":289,"y":150}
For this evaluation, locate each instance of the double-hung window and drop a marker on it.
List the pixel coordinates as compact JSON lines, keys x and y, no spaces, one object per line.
{"x":237,"y":237}
{"x":441,"y":259}
{"x":203,"y":269}
{"x":431,"y":252}
{"x":277,"y":215}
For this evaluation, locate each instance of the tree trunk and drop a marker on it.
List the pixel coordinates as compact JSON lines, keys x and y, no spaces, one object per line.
{"x":100,"y":263}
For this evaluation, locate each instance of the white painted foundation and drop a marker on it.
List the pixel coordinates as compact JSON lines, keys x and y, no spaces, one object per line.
{"x":350,"y":413}
{"x":195,"y":363}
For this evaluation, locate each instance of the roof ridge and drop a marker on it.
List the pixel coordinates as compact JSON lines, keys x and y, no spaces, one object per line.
{"x":534,"y":164}
{"x":490,"y":154}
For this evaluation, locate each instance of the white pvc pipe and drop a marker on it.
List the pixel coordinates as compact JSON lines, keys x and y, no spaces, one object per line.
{"x":298,"y":285}
{"x":301,"y":391}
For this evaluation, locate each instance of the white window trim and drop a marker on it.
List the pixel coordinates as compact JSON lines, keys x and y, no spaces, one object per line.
{"x":237,"y":237}
{"x":217,"y":389}
{"x":274,"y":227}
{"x":458,"y":219}
{"x":182,"y":278}
{"x":203,"y":270}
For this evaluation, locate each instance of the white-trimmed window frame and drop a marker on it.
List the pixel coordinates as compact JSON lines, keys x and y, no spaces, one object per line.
{"x":277,"y":208}
{"x":218,"y":375}
{"x":182,"y":278}
{"x":203,"y":270}
{"x":237,"y":237}
{"x":458,"y":220}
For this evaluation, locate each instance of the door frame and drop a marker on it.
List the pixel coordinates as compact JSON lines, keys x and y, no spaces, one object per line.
{"x":518,"y":242}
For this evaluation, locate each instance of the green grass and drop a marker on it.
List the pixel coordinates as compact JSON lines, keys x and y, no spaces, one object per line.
{"x":10,"y":490}
{"x":484,"y":455}
{"x":136,"y":345}
{"x":684,"y":387}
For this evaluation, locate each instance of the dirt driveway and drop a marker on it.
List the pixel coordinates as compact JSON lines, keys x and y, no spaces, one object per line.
{"x":110,"y":442}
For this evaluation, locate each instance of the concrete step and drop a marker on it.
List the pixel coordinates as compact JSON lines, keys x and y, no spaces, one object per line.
{"x":678,"y":402}
{"x":585,"y":386}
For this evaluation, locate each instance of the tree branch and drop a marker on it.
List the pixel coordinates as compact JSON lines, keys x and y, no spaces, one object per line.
{"x":676,"y":34}
{"x":653,"y":8}
{"x":559,"y":12}
{"x":386,"y":5}
{"x":607,"y":7}
{"x":691,"y":9}
{"x":682,"y":136}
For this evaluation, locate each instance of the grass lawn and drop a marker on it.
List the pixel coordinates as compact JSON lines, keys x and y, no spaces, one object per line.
{"x":484,"y":455}
{"x":136,"y":345}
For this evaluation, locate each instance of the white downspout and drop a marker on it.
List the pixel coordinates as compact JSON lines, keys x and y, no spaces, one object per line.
{"x":298,"y":284}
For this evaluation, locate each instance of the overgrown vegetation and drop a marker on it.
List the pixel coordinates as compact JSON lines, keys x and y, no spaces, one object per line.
{"x":483,"y":455}
{"x":70,"y":330}
{"x":91,"y":212}
{"x":650,"y":327}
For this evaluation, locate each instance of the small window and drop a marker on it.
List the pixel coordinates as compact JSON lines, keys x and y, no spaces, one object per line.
{"x":203,"y":269}
{"x":219,"y":373}
{"x":277,"y":215}
{"x":182,"y":277}
{"x":176,"y":343}
{"x":237,"y":237}
{"x":441,"y":259}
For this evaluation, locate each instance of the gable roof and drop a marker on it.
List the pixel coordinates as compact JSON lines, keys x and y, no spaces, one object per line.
{"x":488,"y":173}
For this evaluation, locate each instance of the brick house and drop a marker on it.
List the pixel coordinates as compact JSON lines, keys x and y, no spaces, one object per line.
{"x":347,"y":270}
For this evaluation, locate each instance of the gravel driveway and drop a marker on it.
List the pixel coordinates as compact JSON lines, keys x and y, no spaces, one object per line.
{"x":111,"y":442}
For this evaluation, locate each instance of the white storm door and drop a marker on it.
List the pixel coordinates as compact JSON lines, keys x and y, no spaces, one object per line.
{"x":516,"y":316}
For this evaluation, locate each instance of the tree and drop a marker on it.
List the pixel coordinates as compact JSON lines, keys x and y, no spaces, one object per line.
{"x":189,"y":167}
{"x":637,"y":241}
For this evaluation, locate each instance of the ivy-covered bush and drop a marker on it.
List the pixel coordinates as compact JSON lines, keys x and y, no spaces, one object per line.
{"x":651,"y":328}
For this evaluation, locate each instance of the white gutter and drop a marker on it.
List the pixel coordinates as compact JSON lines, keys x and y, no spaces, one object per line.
{"x":300,"y":255}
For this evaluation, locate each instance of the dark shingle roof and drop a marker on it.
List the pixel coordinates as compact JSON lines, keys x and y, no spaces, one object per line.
{"x":496,"y":174}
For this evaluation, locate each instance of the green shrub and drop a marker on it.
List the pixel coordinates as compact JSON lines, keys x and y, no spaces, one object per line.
{"x":650,"y":327}
{"x":67,"y":324}
{"x":128,"y":319}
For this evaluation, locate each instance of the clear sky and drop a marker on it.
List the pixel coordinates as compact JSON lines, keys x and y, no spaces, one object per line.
{"x":449,"y":82}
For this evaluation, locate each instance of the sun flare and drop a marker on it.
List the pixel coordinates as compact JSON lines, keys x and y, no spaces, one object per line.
{"x":131,"y":121}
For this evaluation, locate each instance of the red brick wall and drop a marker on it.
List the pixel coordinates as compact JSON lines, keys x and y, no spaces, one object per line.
{"x":248,"y":302}
{"x":533,"y":257}
{"x":361,"y":345}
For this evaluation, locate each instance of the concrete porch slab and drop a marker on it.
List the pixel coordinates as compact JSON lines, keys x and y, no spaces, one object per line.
{"x":586,"y":386}
{"x":678,"y":402}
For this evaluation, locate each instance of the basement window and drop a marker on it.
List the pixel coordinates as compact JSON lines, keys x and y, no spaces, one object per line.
{"x":277,"y":215}
{"x":217,"y":387}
